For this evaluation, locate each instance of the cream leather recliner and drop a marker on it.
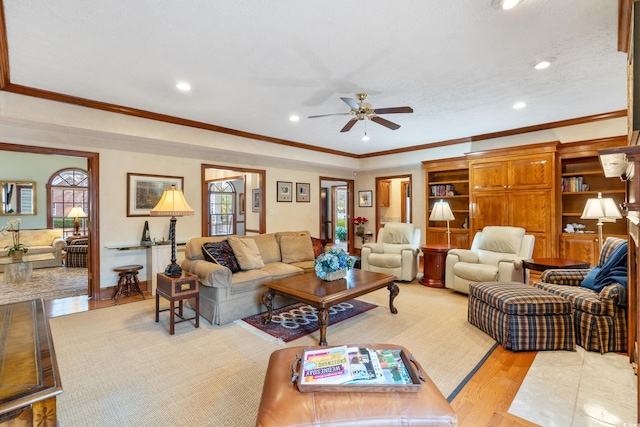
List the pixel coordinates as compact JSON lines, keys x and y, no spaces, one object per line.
{"x":396,"y":252}
{"x":496,"y":254}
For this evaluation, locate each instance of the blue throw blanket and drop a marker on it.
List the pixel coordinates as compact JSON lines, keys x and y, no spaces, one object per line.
{"x":614,"y":270}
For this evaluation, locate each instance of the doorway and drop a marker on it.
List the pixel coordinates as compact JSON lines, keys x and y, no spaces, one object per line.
{"x":394,"y":201}
{"x":246,"y":214}
{"x":93,"y":262}
{"x":336,"y":212}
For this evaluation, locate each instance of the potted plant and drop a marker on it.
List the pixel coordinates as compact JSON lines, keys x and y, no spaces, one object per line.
{"x":359,"y":222}
{"x":341,"y":233}
{"x":17,"y":250}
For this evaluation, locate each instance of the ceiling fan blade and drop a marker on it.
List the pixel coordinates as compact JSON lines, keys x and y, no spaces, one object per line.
{"x":349,"y":125}
{"x":327,"y":115}
{"x":393,"y":110}
{"x":385,"y":122}
{"x":351,"y":103}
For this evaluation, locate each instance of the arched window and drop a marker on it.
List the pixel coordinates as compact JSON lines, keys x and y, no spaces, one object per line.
{"x":68,"y":188}
{"x":222,"y":197}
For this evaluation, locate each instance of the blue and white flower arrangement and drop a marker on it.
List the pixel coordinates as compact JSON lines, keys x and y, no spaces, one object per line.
{"x":336,"y":261}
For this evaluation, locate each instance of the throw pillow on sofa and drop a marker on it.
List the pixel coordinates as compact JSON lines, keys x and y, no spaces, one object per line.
{"x":221,"y":253}
{"x":296,"y":249}
{"x":246,"y":252}
{"x":318,"y":246}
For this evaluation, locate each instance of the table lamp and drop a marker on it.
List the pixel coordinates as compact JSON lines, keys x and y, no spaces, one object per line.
{"x":604,"y":210}
{"x":76,"y":212}
{"x":442,"y":212}
{"x":173,"y":204}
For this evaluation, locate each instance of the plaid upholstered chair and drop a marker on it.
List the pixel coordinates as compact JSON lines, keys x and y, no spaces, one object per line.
{"x":77,"y":251}
{"x":600,"y":314}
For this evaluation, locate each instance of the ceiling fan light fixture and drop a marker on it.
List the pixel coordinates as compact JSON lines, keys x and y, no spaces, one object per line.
{"x":294,"y":118}
{"x":505,"y":4}
{"x":365,"y":137}
{"x":519,"y":105}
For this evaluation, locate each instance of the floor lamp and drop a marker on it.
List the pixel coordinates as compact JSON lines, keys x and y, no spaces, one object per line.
{"x":604,"y":210}
{"x":173,"y":204}
{"x":442,"y":212}
{"x":76,"y":212}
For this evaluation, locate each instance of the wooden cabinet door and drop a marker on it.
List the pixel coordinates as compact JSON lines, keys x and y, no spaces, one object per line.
{"x":583,"y":247}
{"x":531,"y":210}
{"x":488,"y":176}
{"x":531,"y":172}
{"x":384,"y":190}
{"x":490,"y":208}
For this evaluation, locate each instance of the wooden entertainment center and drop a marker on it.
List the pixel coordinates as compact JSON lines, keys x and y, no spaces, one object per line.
{"x":523,"y":187}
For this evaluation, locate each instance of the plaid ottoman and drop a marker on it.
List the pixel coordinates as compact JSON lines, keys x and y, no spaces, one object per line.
{"x":521,"y":317}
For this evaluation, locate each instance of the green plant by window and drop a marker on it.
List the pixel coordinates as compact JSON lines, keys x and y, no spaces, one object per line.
{"x":341,"y":232}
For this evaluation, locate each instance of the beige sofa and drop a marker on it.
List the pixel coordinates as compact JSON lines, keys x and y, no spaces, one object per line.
{"x":226,"y":296}
{"x":39,"y":242}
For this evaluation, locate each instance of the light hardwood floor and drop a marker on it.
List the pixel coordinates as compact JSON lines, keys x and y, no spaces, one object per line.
{"x":483,"y":401}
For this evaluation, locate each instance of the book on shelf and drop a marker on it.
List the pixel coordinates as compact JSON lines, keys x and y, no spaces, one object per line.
{"x":354,"y":365}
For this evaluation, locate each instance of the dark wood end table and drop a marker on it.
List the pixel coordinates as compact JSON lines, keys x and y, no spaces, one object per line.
{"x":433,"y":268}
{"x":177,"y":289}
{"x":321,"y":294}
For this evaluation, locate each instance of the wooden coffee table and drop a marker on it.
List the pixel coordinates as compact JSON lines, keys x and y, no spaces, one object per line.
{"x":308,"y":288}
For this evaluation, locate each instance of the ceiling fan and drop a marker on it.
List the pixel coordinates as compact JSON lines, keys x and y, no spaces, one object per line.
{"x":362,"y":111}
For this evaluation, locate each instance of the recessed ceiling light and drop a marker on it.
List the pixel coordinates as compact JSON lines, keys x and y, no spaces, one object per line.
{"x":294,"y":118}
{"x":505,"y":4}
{"x":183,"y":86}
{"x":543,"y":63}
{"x":519,"y":105}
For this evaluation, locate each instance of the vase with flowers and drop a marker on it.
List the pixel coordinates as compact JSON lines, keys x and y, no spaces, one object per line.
{"x":17,"y":250}
{"x":333,"y":264}
{"x":359,"y":222}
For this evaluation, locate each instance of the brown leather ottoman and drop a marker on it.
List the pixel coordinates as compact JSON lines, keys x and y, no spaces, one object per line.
{"x":283,"y":405}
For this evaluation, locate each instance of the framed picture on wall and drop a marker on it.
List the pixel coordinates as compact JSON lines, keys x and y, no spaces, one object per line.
{"x":144,"y":191}
{"x":284,"y":191}
{"x":241,"y":204}
{"x":302,"y":192}
{"x":365,"y":198}
{"x":256,"y":198}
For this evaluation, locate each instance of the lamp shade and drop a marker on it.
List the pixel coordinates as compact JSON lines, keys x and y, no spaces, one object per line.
{"x":76,"y":212}
{"x":172,"y":203}
{"x":601,"y":208}
{"x":441,"y":212}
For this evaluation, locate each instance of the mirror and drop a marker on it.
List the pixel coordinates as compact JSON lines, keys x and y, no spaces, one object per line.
{"x":18,"y":197}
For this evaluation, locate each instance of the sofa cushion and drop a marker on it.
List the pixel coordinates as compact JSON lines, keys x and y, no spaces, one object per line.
{"x":246,"y":252}
{"x":296,"y":249}
{"x":221,"y":253}
{"x":278,"y":270}
{"x":476,"y":272}
{"x":318,"y":246}
{"x":268,"y":247}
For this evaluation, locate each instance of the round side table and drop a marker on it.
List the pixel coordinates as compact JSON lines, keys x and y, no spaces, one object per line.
{"x":433,"y":267}
{"x":542,"y":264}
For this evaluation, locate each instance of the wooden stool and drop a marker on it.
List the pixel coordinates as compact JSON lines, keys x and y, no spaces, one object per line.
{"x":127,"y":281}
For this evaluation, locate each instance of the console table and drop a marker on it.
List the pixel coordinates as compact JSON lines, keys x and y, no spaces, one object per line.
{"x":30,"y":383}
{"x":158,"y":256}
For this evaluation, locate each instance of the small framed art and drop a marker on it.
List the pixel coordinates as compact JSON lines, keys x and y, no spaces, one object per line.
{"x":302,"y":192}
{"x":365,"y":199}
{"x":256,"y":199}
{"x":284,"y":191}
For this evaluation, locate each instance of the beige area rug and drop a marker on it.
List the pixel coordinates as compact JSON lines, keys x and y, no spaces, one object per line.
{"x":47,"y":283}
{"x":120,"y":368}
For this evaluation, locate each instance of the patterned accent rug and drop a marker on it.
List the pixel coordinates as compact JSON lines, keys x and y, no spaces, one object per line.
{"x":47,"y":283}
{"x":297,"y":320}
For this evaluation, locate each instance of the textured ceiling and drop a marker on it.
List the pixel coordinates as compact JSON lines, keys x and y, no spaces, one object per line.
{"x":460,"y":64}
